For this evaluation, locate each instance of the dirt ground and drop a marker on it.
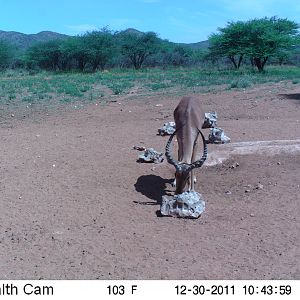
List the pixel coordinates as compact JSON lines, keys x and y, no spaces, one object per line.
{"x":75,"y":204}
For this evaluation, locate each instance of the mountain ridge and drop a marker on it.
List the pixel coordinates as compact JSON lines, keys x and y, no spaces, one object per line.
{"x":23,"y":41}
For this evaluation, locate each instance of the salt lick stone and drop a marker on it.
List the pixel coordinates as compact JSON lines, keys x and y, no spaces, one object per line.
{"x":185,"y":205}
{"x":150,"y":155}
{"x":167,"y":129}
{"x":210,"y":120}
{"x":217,"y":136}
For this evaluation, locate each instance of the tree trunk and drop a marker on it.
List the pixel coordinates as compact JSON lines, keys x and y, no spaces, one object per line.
{"x":259,"y":64}
{"x":264,"y":61}
{"x":233,"y":61}
{"x":240,"y":60}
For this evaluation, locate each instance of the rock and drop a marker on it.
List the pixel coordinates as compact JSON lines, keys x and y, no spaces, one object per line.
{"x":139,"y":148}
{"x":259,"y":187}
{"x":247,"y":191}
{"x":167,"y":129}
{"x":217,"y":136}
{"x":235,"y":165}
{"x":228,"y":193}
{"x":185,"y":205}
{"x":150,"y":155}
{"x":210,"y":120}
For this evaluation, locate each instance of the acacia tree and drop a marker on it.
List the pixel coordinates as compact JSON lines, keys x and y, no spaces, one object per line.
{"x":45,"y":55}
{"x":75,"y":51}
{"x":259,"y":39}
{"x":6,"y":54}
{"x":138,"y":46}
{"x":100,"y":47}
{"x":230,"y":42}
{"x":268,"y":38}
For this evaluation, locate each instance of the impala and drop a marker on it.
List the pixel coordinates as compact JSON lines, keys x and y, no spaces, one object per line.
{"x":188,"y":117}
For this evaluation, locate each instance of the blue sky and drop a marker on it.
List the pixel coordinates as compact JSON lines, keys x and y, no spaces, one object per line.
{"x":185,"y":21}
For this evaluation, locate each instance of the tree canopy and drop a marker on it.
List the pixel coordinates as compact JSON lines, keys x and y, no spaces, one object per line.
{"x":258,"y":39}
{"x":6,"y":54}
{"x":137,"y":47}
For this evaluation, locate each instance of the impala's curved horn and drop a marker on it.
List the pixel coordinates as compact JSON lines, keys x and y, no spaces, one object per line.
{"x":200,"y":162}
{"x":168,"y":154}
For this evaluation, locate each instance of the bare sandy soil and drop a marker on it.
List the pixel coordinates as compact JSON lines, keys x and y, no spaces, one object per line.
{"x":75,"y":204}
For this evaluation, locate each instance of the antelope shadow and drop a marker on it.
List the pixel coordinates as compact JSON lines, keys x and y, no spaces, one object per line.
{"x":153,"y":187}
{"x":295,"y":96}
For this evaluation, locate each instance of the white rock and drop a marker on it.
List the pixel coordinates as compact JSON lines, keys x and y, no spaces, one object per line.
{"x":185,"y":205}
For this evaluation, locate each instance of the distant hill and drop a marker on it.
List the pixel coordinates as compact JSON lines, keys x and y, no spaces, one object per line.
{"x":200,"y":45}
{"x":132,"y":31}
{"x":24,"y":41}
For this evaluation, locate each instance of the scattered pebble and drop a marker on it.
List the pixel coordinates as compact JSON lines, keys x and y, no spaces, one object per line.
{"x":235,"y":165}
{"x":259,"y":186}
{"x":251,"y":215}
{"x":12,"y":115}
{"x":150,"y":155}
{"x":139,"y":148}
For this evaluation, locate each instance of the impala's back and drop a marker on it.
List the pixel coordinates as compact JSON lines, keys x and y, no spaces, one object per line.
{"x":189,"y":118}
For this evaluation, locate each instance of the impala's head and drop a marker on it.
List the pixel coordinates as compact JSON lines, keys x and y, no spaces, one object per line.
{"x":182,"y":176}
{"x":183,"y":170}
